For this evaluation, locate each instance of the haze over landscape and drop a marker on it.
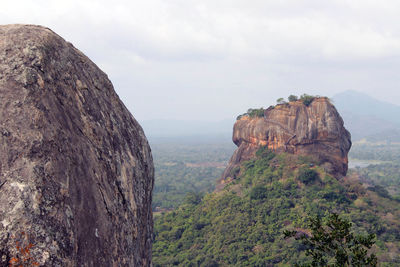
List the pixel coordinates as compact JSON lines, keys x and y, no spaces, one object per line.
{"x":199,"y":133}
{"x":211,"y":60}
{"x":364,"y":117}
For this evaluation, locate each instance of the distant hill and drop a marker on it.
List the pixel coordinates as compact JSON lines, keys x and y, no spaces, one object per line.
{"x":367,"y":117}
{"x":363,"y":115}
{"x":389,"y":135}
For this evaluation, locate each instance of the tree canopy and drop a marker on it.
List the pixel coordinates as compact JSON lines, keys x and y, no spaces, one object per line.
{"x":334,"y":244}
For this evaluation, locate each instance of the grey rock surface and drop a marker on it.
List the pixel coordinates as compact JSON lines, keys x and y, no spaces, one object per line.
{"x":76,"y":171}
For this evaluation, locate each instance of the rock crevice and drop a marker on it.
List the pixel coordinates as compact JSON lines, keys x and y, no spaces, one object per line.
{"x":316,"y":130}
{"x":78,"y":166}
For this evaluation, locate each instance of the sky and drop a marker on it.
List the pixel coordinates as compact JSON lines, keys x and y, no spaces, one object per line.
{"x":211,"y":60}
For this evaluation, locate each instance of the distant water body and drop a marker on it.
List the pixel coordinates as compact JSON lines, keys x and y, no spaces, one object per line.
{"x":354,"y":163}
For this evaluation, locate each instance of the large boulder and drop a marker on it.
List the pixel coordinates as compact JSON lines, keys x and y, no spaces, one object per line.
{"x":314,"y":130}
{"x":76,"y":171}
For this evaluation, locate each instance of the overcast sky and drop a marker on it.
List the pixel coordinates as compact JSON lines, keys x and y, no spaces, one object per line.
{"x":213,"y":59}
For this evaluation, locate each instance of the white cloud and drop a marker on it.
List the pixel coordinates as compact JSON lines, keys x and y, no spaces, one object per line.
{"x":176,"y":29}
{"x":233,"y":52}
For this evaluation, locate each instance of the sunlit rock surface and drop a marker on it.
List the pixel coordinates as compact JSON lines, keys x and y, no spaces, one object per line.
{"x":316,"y":130}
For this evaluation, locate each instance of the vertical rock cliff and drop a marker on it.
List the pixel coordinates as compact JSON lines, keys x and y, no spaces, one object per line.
{"x":76,"y":171}
{"x":315,"y":130}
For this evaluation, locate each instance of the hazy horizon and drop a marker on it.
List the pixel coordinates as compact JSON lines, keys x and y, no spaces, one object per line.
{"x":340,"y":107}
{"x":202,"y":60}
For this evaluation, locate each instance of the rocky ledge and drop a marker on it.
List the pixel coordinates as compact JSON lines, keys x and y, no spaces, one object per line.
{"x":314,"y":130}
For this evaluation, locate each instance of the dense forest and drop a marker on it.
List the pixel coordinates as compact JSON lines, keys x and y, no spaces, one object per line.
{"x":185,"y":168}
{"x":189,"y":167}
{"x":379,"y":151}
{"x":243,"y":224}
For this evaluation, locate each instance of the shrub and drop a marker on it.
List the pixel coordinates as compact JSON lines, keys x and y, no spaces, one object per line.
{"x":258,"y":192}
{"x":334,"y":242}
{"x":307,"y":176}
{"x":280,"y":100}
{"x":176,"y":233}
{"x":252,"y":113}
{"x":339,"y":197}
{"x":264,"y":152}
{"x":307,"y":99}
{"x":193,"y":198}
{"x":380,"y":190}
{"x":256,"y":112}
{"x":209,"y":263}
{"x":293,"y":98}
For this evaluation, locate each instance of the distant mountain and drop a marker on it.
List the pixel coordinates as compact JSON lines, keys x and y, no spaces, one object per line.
{"x":363,"y":115}
{"x":367,"y":117}
{"x":362,"y":104}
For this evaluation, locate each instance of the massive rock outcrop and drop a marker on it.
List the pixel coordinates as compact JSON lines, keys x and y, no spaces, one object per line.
{"x":76,"y":171}
{"x":315,"y":130}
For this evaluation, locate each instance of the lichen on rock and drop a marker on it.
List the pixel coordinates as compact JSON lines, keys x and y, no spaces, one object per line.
{"x":76,"y":170}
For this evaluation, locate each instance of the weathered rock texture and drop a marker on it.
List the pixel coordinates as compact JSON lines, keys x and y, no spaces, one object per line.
{"x":76,"y":169}
{"x":316,"y":130}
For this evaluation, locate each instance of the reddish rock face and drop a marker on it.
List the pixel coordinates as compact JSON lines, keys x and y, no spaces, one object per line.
{"x":315,"y":130}
{"x":76,"y":171}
